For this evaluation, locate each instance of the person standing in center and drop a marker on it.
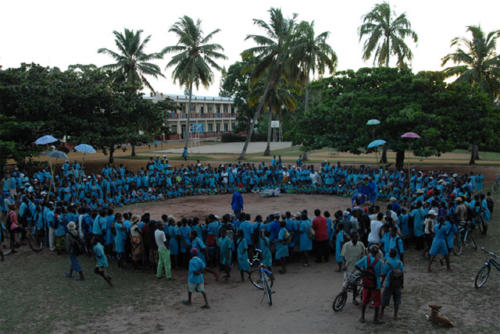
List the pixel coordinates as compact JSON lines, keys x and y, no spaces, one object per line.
{"x":237,"y":203}
{"x":163,"y":253}
{"x":320,"y":236}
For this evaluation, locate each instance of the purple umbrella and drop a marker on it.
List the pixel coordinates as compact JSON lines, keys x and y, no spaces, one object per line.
{"x":410,"y":135}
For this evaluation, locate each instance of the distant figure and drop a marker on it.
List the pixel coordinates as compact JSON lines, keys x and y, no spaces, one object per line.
{"x":237,"y":203}
{"x":185,"y":153}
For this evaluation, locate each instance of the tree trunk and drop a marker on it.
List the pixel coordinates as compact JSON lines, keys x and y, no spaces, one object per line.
{"x":474,"y":154}
{"x":383,"y":158}
{"x":388,"y":53}
{"x":132,"y":154}
{"x":267,"y":152}
{"x":304,"y":156}
{"x":111,"y":151}
{"x":400,"y":159}
{"x":255,"y":118}
{"x":186,"y":133}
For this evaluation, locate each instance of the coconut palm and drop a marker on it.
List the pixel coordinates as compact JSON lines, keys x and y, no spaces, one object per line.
{"x":476,"y":63}
{"x":132,"y":63}
{"x":385,"y":34}
{"x":476,"y":60}
{"x":274,"y":60}
{"x":193,"y":59}
{"x":314,"y":55}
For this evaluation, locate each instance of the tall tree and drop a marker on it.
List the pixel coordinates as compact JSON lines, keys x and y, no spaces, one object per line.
{"x":274,"y":61}
{"x":314,"y":55}
{"x":132,"y":64}
{"x":193,"y":59}
{"x":385,"y":34}
{"x":476,"y":62}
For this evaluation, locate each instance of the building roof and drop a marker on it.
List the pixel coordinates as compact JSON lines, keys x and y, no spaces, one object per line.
{"x":181,"y":97}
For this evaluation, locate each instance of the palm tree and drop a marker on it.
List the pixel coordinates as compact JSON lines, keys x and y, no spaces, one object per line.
{"x":132,"y":63}
{"x":477,"y":60}
{"x":273,"y":59}
{"x":476,"y":63}
{"x":386,"y":35}
{"x":313,"y":54}
{"x":193,"y":59}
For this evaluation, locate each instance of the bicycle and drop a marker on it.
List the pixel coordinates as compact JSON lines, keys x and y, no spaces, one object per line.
{"x":352,"y":284}
{"x":484,"y":272}
{"x":464,"y":235}
{"x":264,"y":282}
{"x":254,"y":274}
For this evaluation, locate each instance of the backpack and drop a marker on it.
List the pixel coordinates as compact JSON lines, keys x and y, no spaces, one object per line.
{"x":77,"y":246}
{"x":397,"y":277}
{"x":369,"y":277}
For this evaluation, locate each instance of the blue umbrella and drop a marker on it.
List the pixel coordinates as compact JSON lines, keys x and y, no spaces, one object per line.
{"x":373,"y":122}
{"x":57,"y":154}
{"x":84,"y":148}
{"x":377,"y":142}
{"x":47,"y":139}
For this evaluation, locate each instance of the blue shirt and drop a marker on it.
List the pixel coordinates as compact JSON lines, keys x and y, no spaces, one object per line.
{"x":394,"y":263}
{"x":102,"y":260}
{"x":195,"y":264}
{"x":363,"y":264}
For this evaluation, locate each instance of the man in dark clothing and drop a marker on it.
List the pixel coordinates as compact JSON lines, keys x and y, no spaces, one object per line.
{"x":320,"y":236}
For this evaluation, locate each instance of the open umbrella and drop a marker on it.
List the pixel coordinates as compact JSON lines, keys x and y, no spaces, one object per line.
{"x":373,"y":122}
{"x":58,"y":155}
{"x":84,"y":148}
{"x":376,"y":143}
{"x":410,"y":135}
{"x":47,"y":139}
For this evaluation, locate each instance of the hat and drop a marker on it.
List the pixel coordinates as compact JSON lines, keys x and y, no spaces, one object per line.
{"x":432,"y":213}
{"x":298,"y":214}
{"x":194,"y":251}
{"x":393,"y":199}
{"x":346,"y":213}
{"x":420,"y":191}
{"x":459,"y":199}
{"x":277,"y":214}
{"x":135,"y":218}
{"x":71,"y":226}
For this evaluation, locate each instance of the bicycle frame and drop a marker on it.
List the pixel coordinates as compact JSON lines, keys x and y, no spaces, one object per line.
{"x":492,"y":263}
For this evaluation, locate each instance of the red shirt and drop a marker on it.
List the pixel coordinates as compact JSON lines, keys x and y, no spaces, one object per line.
{"x":319,"y":226}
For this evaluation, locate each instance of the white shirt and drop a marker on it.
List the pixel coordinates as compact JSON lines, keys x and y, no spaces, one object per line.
{"x":160,"y":239}
{"x":374,"y":236}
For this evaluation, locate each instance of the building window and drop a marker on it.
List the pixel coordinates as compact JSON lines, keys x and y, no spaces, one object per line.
{"x":226,"y":127}
{"x":217,"y":127}
{"x":210,"y":127}
{"x":201,"y":110}
{"x":232,"y":109}
{"x":210,"y":108}
{"x":225,"y":108}
{"x":218,"y":108}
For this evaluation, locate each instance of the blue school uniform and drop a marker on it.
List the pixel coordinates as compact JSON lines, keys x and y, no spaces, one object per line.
{"x":185,"y":232}
{"x":439,"y":246}
{"x":200,"y":246}
{"x":305,"y":244}
{"x":418,"y":221}
{"x":102,"y":260}
{"x":120,"y":238}
{"x":173,"y":244}
{"x":225,"y":247}
{"x":242,"y":252}
{"x":377,"y":268}
{"x":281,"y":245}
{"x":267,"y":256}
{"x":393,"y":242}
{"x":386,"y":271}
{"x":195,"y":265}
{"x":339,"y":241}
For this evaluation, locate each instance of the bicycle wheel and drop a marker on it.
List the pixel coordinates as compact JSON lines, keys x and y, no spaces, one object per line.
{"x":267,"y":290}
{"x":482,"y":276}
{"x":255,"y":279}
{"x":339,"y":302}
{"x":457,"y":246}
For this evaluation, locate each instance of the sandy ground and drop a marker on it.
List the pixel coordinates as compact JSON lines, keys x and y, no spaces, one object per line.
{"x":201,"y":206}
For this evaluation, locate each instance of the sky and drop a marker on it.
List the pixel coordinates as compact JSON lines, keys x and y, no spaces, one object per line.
{"x":61,"y":32}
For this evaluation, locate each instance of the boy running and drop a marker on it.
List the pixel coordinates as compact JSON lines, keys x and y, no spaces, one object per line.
{"x":195,"y":278}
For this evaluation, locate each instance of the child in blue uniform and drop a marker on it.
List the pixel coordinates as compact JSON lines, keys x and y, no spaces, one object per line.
{"x":439,"y":246}
{"x":242,"y":252}
{"x":102,"y":261}
{"x":195,"y":278}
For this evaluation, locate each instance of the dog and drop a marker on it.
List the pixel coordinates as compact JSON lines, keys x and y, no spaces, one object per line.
{"x":438,"y":319}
